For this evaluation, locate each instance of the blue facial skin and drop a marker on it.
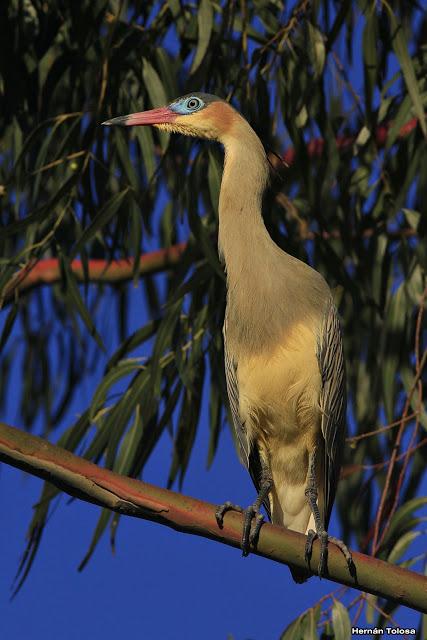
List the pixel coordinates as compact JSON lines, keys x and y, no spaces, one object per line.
{"x":187,"y":105}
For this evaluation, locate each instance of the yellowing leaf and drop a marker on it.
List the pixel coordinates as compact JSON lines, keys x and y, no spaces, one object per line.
{"x":204,"y":23}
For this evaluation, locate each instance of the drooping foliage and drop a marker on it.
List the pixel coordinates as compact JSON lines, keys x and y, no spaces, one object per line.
{"x":338,"y":90}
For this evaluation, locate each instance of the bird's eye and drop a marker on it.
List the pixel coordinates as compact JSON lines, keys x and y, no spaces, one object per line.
{"x":193,"y":104}
{"x":187,"y":106}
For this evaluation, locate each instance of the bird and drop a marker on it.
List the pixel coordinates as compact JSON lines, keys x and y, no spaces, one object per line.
{"x":283,"y":348}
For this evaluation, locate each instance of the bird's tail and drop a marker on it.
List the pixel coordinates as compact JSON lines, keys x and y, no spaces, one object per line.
{"x":299,"y":575}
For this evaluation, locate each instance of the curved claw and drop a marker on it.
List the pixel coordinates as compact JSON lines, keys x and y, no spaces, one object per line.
{"x":324,"y":539}
{"x":311,"y":537}
{"x":222,"y":510}
{"x":250,"y":532}
{"x":254,"y":535}
{"x":346,"y":553}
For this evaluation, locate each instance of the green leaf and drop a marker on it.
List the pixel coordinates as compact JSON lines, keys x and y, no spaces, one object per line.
{"x":129,"y":447}
{"x":301,"y":117}
{"x":135,"y":238}
{"x":166,"y":68}
{"x":40,"y":213}
{"x":8,"y":326}
{"x":132,"y":342}
{"x":363,"y":136}
{"x":119,"y":417}
{"x":313,"y":617}
{"x":41,"y":157}
{"x":370,"y":56}
{"x":175,"y":7}
{"x":413,"y":217}
{"x":408,"y":377}
{"x":103,"y":521}
{"x":383,"y":110}
{"x":102,"y":218}
{"x":75,"y":301}
{"x":116,"y":421}
{"x":318,"y":50}
{"x":205,"y":24}
{"x":402,"y":545}
{"x":144,"y":136}
{"x":157,"y":95}
{"x":393,"y":328}
{"x":401,"y":519}
{"x":125,"y":158}
{"x":400,"y":47}
{"x":403,"y":115}
{"x":123,"y":369}
{"x":341,"y":621}
{"x":304,"y":627}
{"x":293,"y":630}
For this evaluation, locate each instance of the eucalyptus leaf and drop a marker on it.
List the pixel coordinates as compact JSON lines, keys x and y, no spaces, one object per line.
{"x":205,"y":24}
{"x":341,"y":621}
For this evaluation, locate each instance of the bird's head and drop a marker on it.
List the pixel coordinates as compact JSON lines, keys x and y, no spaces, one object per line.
{"x":195,"y":114}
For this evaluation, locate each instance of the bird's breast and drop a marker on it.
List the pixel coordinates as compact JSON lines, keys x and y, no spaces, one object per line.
{"x":279,"y":386}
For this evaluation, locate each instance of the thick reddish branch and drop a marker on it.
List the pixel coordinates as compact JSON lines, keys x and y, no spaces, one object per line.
{"x":315,"y":147}
{"x":127,"y":496}
{"x":48,"y":271}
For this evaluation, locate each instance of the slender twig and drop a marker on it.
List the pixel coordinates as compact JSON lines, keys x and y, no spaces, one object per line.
{"x":362,"y":600}
{"x":354,"y":468}
{"x":375,"y":432}
{"x":281,"y":34}
{"x":419,"y":364}
{"x":378,"y":538}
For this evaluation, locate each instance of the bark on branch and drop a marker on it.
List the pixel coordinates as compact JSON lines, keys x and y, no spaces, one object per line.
{"x":130,"y":497}
{"x":48,"y":271}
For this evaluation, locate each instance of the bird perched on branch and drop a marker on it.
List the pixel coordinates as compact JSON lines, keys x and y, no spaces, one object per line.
{"x":282,"y":340}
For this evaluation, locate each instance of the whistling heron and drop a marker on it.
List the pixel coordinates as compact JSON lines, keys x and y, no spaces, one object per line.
{"x":282,"y":340}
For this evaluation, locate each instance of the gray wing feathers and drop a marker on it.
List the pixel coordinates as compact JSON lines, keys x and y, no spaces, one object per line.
{"x":332,"y":402}
{"x":233,"y":397}
{"x":248,"y":451}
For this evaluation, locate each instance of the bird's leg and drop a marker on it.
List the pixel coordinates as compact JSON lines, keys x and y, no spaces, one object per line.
{"x":250,"y":533}
{"x":321,"y":533}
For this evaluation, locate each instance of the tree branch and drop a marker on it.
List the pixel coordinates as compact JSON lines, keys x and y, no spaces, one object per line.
{"x":48,"y":271}
{"x":316,"y":145}
{"x":86,"y":481}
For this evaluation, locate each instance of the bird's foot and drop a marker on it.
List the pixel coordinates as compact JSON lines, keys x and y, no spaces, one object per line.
{"x":324,"y":539}
{"x":323,"y":561}
{"x":222,"y":510}
{"x":252,"y":523}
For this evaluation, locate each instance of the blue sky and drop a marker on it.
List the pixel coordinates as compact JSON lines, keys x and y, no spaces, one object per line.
{"x":160,"y":584}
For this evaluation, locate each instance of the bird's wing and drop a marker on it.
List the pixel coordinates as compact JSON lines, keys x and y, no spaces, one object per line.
{"x":248,"y":450}
{"x":332,"y":403}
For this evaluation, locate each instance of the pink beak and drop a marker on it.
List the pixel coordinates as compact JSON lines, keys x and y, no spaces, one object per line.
{"x":161,"y":115}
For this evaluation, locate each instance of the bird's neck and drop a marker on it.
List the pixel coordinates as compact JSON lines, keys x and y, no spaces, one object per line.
{"x":242,"y":234}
